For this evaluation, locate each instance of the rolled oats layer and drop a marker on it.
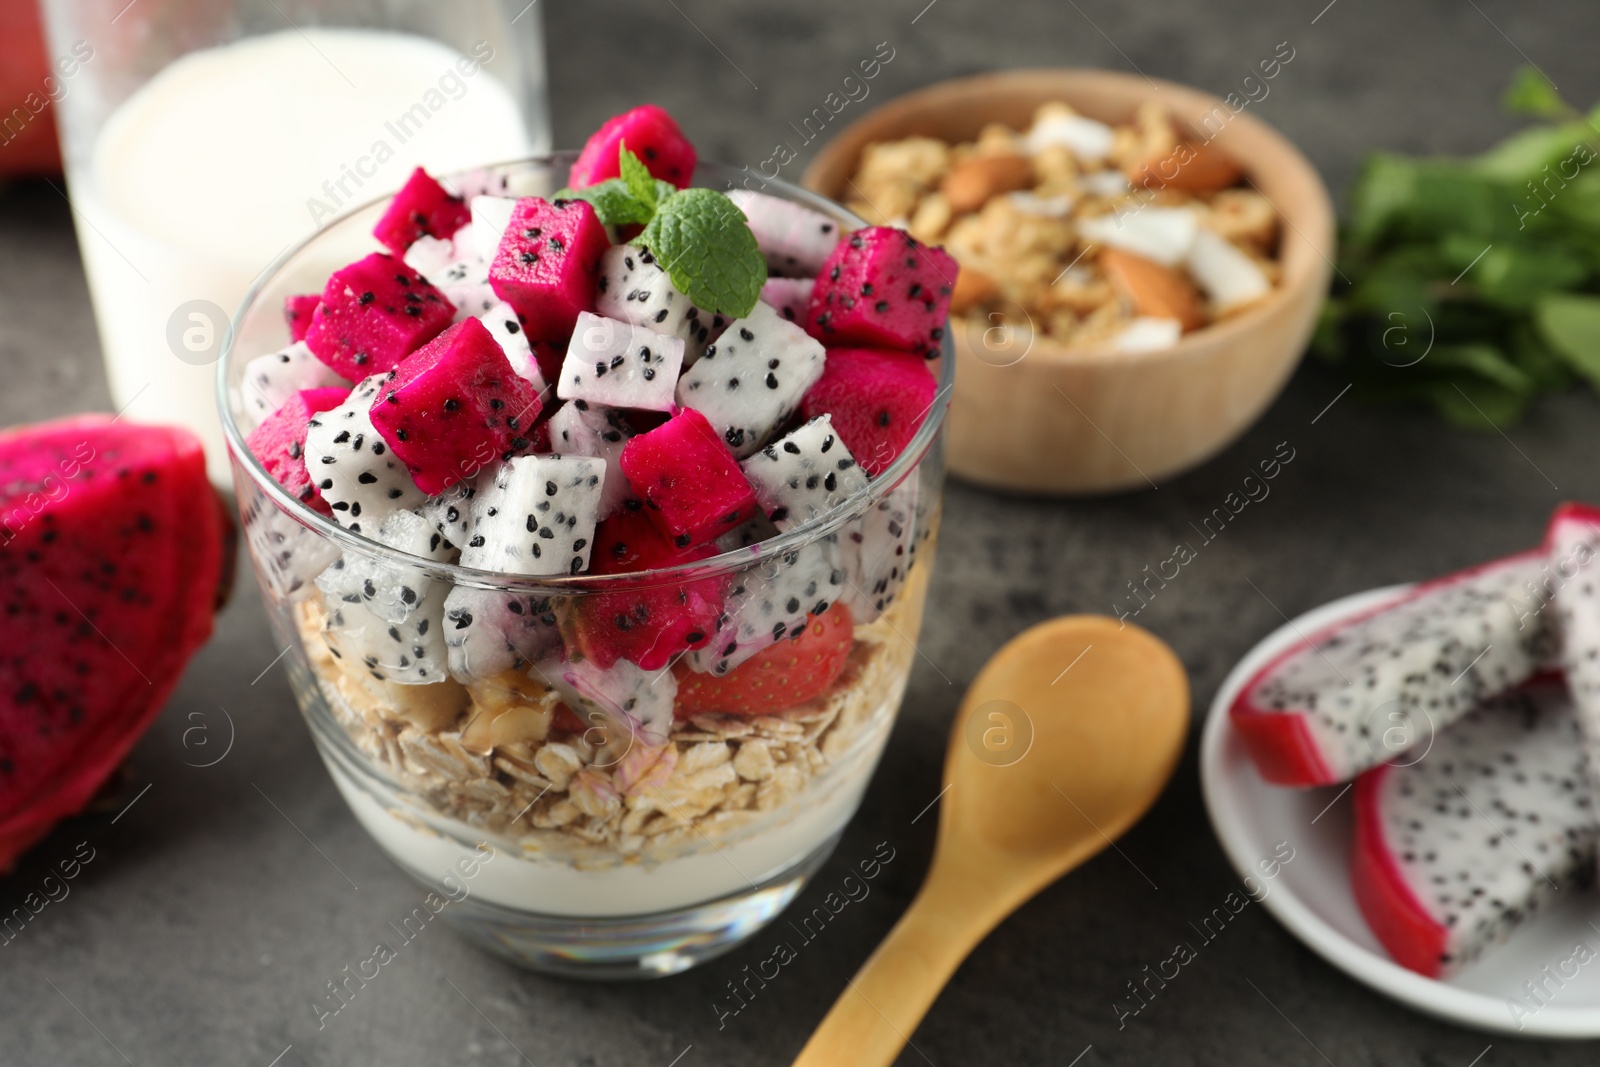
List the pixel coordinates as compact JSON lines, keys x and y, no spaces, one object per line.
{"x":496,"y":756}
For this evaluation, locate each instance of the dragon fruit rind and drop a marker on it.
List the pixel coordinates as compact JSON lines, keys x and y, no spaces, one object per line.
{"x":454,"y":407}
{"x":373,"y":314}
{"x":422,"y":208}
{"x":112,"y":556}
{"x":547,"y":264}
{"x":883,"y":288}
{"x":878,"y":400}
{"x":691,"y":485}
{"x":1455,"y":850}
{"x":649,"y":133}
{"x":1368,"y":688}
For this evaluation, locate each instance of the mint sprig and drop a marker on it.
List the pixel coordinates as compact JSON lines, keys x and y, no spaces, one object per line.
{"x":630,"y":200}
{"x":705,"y":245}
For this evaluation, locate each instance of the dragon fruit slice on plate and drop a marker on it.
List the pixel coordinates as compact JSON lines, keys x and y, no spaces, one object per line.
{"x":1368,"y":688}
{"x":752,"y":379}
{"x":272,"y":379}
{"x":1571,"y":583}
{"x":362,"y":481}
{"x":795,"y":239}
{"x":807,"y":473}
{"x":620,"y":365}
{"x":1455,"y":850}
{"x":110,"y":522}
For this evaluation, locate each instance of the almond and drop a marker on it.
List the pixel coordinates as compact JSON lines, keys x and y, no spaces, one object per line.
{"x":972,"y":184}
{"x":1152,"y":289}
{"x":1194,"y":168}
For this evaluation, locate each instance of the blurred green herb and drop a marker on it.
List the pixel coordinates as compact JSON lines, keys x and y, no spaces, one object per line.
{"x":1473,"y":284}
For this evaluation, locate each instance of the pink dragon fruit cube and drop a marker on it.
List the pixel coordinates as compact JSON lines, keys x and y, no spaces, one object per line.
{"x":422,"y":208}
{"x":547,"y":265}
{"x":881,"y":287}
{"x":373,"y":314}
{"x":691,"y":485}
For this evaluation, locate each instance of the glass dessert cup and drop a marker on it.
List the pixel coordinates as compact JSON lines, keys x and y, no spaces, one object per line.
{"x":571,"y":846}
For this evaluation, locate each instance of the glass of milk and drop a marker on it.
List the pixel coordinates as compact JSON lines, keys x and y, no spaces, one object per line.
{"x":203,"y":138}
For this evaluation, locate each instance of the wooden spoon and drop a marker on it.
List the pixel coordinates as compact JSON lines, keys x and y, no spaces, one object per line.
{"x":1066,"y":737}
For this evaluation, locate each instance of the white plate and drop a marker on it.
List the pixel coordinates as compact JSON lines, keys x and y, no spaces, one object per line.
{"x":1311,"y":894}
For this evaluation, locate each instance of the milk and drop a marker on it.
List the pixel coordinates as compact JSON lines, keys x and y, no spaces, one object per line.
{"x":230,"y":155}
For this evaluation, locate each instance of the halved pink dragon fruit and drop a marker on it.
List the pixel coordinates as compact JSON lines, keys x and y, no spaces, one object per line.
{"x":270,"y":380}
{"x":878,"y":400}
{"x":648,"y":626}
{"x":454,"y":408}
{"x":584,"y":429}
{"x":536,"y":517}
{"x":620,"y":365}
{"x":114,"y":553}
{"x":1368,"y":688}
{"x":789,"y":297}
{"x":354,"y":471}
{"x":280,"y":442}
{"x":373,"y":314}
{"x":1455,"y":850}
{"x":691,"y":485}
{"x":422,"y":208}
{"x":297,"y":311}
{"x":803,"y":475}
{"x":795,"y":239}
{"x":546,"y":264}
{"x":751,"y":380}
{"x":882,"y":288}
{"x":650,"y":133}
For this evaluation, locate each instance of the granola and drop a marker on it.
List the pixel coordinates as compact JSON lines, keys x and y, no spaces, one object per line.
{"x":1124,"y":236}
{"x":495,"y":756}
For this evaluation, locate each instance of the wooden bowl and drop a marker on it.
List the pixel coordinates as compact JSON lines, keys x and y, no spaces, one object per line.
{"x":1035,"y":417}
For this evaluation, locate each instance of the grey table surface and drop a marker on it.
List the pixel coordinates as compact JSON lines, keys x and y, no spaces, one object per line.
{"x":206,"y":924}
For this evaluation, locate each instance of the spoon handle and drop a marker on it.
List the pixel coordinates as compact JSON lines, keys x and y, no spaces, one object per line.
{"x":874,"y":1017}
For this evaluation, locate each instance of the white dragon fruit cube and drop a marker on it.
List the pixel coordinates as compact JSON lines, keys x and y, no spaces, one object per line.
{"x":620,"y":365}
{"x":272,"y":379}
{"x":583,"y":429}
{"x":795,"y":240}
{"x":490,"y":217}
{"x":751,"y":380}
{"x":352,"y":467}
{"x":632,"y":287}
{"x":537,"y":516}
{"x":806,"y":473}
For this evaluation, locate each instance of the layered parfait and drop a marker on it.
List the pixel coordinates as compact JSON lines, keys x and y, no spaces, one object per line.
{"x":636,"y":505}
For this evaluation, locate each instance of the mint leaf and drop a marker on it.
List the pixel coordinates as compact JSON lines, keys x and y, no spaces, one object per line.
{"x":614,"y":203}
{"x":705,"y":245}
{"x":1530,"y":93}
{"x":1570,"y":324}
{"x":636,"y":176}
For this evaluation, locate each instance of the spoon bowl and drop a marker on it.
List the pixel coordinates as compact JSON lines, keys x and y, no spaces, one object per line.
{"x":1064,"y":740}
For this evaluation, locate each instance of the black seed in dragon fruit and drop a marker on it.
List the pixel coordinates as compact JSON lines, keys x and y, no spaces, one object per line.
{"x":1367,"y":689}
{"x":637,"y":702}
{"x":632,"y":287}
{"x":490,"y":631}
{"x":804,"y":474}
{"x":386,"y":618}
{"x":878,"y":551}
{"x":692,"y":487}
{"x":751,"y":380}
{"x":878,"y":399}
{"x":455,"y":408}
{"x":795,"y":239}
{"x":280,"y":442}
{"x":546,"y":264}
{"x":583,"y":429}
{"x":646,"y":624}
{"x":351,"y":465}
{"x":770,"y":601}
{"x":537,"y":516}
{"x":883,"y":288}
{"x":373,"y":314}
{"x":297,"y":311}
{"x":620,"y":365}
{"x":789,"y":297}
{"x":1570,"y":585}
{"x":506,"y":329}
{"x":1456,"y":849}
{"x":270,"y":380}
{"x":422,"y":208}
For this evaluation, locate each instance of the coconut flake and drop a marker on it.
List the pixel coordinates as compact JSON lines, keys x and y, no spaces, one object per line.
{"x":1147,"y":334}
{"x":1085,"y":138}
{"x":1162,"y":234}
{"x":1228,"y":276}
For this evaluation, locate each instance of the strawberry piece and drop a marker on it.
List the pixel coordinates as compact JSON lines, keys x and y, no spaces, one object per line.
{"x":783,"y":676}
